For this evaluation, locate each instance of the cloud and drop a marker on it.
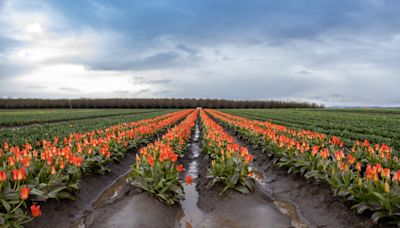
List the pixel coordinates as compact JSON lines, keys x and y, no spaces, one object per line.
{"x":304,"y":72}
{"x":155,"y":61}
{"x":142,"y":80}
{"x":336,"y":51}
{"x":69,"y":89}
{"x":36,"y":87}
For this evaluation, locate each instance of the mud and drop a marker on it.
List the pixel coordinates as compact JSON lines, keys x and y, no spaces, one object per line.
{"x":313,"y":202}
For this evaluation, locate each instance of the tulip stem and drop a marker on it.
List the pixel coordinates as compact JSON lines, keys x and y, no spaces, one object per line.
{"x":28,"y":220}
{"x":15,"y":208}
{"x":16,"y":185}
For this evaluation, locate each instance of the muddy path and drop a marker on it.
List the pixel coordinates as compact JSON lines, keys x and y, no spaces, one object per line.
{"x":309,"y":202}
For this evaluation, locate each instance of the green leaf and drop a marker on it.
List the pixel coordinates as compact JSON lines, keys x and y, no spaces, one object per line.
{"x":312,"y":173}
{"x":242,"y":189}
{"x":6,"y":205}
{"x":378,"y":215}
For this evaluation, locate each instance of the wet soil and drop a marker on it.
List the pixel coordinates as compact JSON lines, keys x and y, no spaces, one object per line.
{"x":310,"y":202}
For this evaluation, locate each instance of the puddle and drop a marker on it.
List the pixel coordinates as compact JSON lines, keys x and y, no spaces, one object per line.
{"x":191,"y":215}
{"x":284,"y":207}
{"x":118,"y":188}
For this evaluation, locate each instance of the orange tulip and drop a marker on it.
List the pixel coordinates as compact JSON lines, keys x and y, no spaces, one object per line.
{"x":18,"y":174}
{"x":358,"y":166}
{"x":150,"y":160}
{"x":11,"y":161}
{"x":25,"y":161}
{"x":24,"y":193}
{"x":350,"y":158}
{"x":35,"y":209}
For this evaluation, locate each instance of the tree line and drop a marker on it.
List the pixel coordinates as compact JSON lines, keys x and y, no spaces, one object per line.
{"x":151,"y":103}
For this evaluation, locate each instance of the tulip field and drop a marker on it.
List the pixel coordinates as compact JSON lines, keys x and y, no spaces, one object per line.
{"x":375,"y":125}
{"x":46,"y":157}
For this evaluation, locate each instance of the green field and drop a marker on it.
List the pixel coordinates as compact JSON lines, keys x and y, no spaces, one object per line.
{"x":33,"y":133}
{"x":17,"y":117}
{"x":376,"y":125}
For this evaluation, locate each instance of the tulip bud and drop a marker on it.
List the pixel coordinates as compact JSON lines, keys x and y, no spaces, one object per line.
{"x":387,"y":187}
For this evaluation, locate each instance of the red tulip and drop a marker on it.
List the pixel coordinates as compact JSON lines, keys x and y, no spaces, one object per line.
{"x":189,"y":180}
{"x":180,"y":168}
{"x":35,"y":209}
{"x":3,"y":176}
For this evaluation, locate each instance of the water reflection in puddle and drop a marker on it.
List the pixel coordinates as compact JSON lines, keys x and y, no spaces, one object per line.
{"x":191,"y":215}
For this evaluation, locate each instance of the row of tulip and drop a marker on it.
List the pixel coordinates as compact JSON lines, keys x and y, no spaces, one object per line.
{"x":230,"y":163}
{"x":156,"y":170}
{"x":366,"y":175}
{"x":52,"y":169}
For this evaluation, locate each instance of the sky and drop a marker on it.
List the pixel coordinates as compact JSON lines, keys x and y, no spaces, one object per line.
{"x":334,"y":52}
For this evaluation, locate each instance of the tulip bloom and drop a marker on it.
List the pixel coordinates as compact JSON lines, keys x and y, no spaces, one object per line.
{"x":35,"y":209}
{"x":3,"y":176}
{"x":24,"y":193}
{"x":189,"y":180}
{"x":358,"y":166}
{"x":180,"y":168}
{"x":150,"y":160}
{"x":18,"y":174}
